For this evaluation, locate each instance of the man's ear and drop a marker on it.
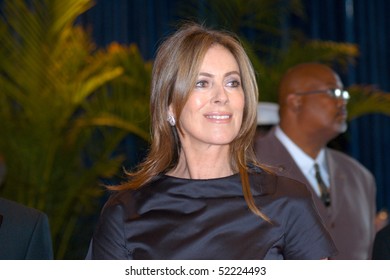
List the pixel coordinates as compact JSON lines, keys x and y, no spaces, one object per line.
{"x":294,"y":102}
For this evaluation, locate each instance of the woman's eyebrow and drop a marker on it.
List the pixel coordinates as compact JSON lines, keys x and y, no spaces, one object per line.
{"x":206,"y":74}
{"x":232,"y":72}
{"x":226,"y":74}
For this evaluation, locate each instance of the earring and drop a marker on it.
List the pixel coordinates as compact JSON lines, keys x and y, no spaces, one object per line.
{"x":171,"y":120}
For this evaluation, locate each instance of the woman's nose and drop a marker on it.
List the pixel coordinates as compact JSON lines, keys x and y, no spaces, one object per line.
{"x":220,"y":95}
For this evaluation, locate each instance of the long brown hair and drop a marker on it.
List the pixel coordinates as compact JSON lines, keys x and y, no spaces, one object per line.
{"x":174,"y":74}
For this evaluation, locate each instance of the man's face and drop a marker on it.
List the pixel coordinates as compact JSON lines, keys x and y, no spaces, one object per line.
{"x":320,"y":113}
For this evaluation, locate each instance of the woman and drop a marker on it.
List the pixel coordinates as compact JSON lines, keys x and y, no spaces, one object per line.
{"x":200,"y":194}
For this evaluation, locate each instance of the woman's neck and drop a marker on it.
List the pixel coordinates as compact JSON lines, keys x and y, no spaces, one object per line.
{"x":208,"y":164}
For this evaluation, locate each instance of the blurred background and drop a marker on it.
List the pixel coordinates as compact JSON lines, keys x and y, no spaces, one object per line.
{"x":74,"y":88}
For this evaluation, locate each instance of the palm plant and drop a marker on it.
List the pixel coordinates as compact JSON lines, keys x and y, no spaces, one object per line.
{"x":64,"y":107}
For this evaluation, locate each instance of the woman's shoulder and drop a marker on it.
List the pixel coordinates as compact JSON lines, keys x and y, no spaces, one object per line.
{"x":127,"y":199}
{"x":117,"y":201}
{"x":268,"y":183}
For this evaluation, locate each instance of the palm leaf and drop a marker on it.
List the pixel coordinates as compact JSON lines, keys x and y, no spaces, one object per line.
{"x":367,"y":100}
{"x":54,"y":81}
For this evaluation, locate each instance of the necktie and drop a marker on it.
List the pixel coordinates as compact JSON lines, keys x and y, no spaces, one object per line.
{"x":325,"y":196}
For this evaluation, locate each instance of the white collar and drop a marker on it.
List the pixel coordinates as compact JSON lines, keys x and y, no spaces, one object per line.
{"x":305,"y":162}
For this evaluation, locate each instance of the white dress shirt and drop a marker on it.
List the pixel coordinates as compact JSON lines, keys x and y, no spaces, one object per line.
{"x":304,"y":161}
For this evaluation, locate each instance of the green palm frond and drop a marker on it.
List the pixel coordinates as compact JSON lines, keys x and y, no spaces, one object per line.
{"x":125,"y":100}
{"x":367,"y":100}
{"x":64,"y":107}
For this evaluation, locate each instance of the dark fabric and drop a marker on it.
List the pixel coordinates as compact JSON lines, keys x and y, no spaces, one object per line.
{"x":381,"y":249}
{"x":24,"y":233}
{"x":350,"y":217}
{"x":2,"y":171}
{"x":176,"y":218}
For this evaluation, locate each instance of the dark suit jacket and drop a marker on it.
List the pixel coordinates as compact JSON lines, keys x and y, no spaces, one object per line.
{"x":350,"y":218}
{"x":382,"y":244}
{"x":24,"y":233}
{"x":2,"y":170}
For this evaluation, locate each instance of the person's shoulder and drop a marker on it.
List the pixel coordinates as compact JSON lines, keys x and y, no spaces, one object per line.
{"x":19,"y":209}
{"x":127,"y":200}
{"x":292,"y":188}
{"x":346,"y":160}
{"x":342,"y":156}
{"x":384,"y":233}
{"x":125,"y":196}
{"x":381,"y":247}
{"x":269,"y":183}
{"x":118,"y":199}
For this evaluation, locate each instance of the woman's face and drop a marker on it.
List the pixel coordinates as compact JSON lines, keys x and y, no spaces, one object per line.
{"x":214,"y":110}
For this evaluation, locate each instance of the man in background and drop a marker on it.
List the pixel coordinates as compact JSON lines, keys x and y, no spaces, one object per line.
{"x":313,"y":112}
{"x":24,"y":231}
{"x":381,"y":249}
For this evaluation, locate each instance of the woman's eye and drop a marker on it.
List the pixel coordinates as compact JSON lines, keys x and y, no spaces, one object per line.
{"x":234,"y":83}
{"x":201,"y":84}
